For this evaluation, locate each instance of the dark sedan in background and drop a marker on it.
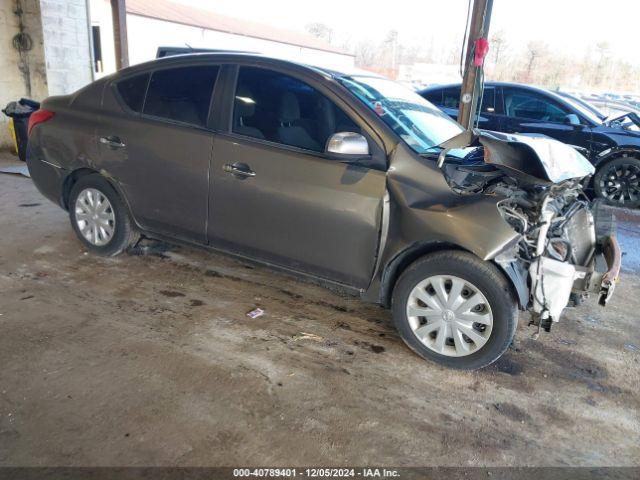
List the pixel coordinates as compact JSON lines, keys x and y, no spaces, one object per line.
{"x":611,"y":144}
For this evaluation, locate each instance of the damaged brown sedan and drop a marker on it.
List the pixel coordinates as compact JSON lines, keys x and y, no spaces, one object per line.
{"x":348,"y":178}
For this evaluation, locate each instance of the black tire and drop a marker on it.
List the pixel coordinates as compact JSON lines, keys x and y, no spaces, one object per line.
{"x":124,"y":235}
{"x":487,"y":279}
{"x":607,"y":178}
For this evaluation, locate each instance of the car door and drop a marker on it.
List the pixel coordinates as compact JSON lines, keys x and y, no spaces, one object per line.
{"x":157,"y":146}
{"x":278,"y":197}
{"x":527,"y":111}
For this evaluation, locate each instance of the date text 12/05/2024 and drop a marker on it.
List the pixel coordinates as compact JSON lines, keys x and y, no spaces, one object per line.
{"x":316,"y":472}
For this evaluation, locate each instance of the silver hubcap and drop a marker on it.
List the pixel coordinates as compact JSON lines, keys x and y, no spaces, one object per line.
{"x":94,"y":217}
{"x":449,"y":315}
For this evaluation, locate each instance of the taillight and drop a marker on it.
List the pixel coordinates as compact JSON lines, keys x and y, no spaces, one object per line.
{"x":39,"y":116}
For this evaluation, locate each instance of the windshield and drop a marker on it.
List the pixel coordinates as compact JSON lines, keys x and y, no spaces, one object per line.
{"x":420,"y":124}
{"x":587,"y":110}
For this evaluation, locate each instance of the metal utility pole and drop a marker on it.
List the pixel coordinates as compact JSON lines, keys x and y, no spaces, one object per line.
{"x":471,"y":83}
{"x":119,"y":14}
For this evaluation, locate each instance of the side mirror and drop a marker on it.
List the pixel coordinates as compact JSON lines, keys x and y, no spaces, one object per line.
{"x":572,"y":119}
{"x":347,"y":146}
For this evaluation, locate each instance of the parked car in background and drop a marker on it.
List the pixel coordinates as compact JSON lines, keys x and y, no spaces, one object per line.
{"x":348,"y":178}
{"x":583,"y":103}
{"x":612,"y":108}
{"x":611,"y":144}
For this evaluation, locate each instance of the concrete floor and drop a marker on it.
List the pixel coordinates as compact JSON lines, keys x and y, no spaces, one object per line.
{"x":151,"y":360}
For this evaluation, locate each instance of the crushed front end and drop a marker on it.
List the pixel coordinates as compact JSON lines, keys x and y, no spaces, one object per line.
{"x":567,"y":247}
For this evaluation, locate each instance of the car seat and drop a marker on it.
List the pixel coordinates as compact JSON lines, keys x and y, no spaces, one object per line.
{"x":244,"y":108}
{"x":290,"y":132}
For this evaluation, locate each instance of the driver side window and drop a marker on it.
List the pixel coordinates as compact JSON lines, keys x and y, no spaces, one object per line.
{"x":523,"y":104}
{"x":272,"y":106}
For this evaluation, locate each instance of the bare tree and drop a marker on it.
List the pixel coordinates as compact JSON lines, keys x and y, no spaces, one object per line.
{"x":391,"y":46}
{"x":603,"y":60}
{"x":589,"y":68}
{"x":498,"y":43}
{"x":320,"y":30}
{"x":365,"y":54}
{"x":410,"y":55}
{"x":535,"y":50}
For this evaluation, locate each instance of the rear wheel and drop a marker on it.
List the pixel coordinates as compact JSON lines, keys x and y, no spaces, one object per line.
{"x":455,"y":309}
{"x":618,"y":181}
{"x":99,"y":216}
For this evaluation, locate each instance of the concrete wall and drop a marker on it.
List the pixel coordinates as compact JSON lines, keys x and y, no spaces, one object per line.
{"x":21,"y":75}
{"x":59,"y":60}
{"x":67,"y":51}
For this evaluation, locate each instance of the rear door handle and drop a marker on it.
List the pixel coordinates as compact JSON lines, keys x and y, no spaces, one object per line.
{"x":113,"y":142}
{"x":238,"y":169}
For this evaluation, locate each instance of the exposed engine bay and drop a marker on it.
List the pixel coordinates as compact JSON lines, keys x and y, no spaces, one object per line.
{"x":563,"y":236}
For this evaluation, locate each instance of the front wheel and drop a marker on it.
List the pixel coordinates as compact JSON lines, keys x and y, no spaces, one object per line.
{"x":618,"y":182}
{"x":455,"y":309}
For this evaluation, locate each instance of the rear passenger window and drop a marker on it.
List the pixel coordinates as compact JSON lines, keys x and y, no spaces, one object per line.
{"x":132,"y":91}
{"x":272,"y":106}
{"x":181,"y":94}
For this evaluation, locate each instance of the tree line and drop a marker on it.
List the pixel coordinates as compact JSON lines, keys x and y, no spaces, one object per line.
{"x":596,"y":68}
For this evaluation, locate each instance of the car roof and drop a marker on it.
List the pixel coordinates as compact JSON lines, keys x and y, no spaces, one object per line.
{"x":560,"y":97}
{"x":490,"y":84}
{"x":522,"y":86}
{"x":246,"y":57}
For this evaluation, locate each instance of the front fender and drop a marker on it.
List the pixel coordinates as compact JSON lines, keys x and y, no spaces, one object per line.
{"x":426,"y":215}
{"x":615,"y":152}
{"x":424,"y":208}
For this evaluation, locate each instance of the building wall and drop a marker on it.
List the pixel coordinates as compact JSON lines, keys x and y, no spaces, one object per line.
{"x":22,"y":75}
{"x":65,"y":29}
{"x":147,"y":34}
{"x":59,"y":60}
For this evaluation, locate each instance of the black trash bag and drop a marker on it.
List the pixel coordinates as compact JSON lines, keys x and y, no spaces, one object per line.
{"x":20,"y":111}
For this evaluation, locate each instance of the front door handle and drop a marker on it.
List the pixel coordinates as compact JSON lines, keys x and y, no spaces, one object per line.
{"x":238,"y":169}
{"x":113,"y":142}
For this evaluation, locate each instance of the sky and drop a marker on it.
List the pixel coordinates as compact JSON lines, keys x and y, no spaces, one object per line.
{"x":567,"y":26}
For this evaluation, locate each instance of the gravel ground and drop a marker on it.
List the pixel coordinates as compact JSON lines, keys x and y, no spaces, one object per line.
{"x":150,"y":359}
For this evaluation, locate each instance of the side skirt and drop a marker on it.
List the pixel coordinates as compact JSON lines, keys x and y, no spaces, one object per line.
{"x":299,"y":275}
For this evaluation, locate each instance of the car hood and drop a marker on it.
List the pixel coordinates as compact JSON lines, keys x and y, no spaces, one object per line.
{"x":535,"y":155}
{"x":530,"y":158}
{"x":626,"y":122}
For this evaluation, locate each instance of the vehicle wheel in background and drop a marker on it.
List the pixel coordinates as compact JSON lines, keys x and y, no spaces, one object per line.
{"x":618,"y":181}
{"x":99,"y":217}
{"x":455,"y":309}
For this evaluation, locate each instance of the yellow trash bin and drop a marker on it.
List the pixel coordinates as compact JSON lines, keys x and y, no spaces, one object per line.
{"x":12,"y":131}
